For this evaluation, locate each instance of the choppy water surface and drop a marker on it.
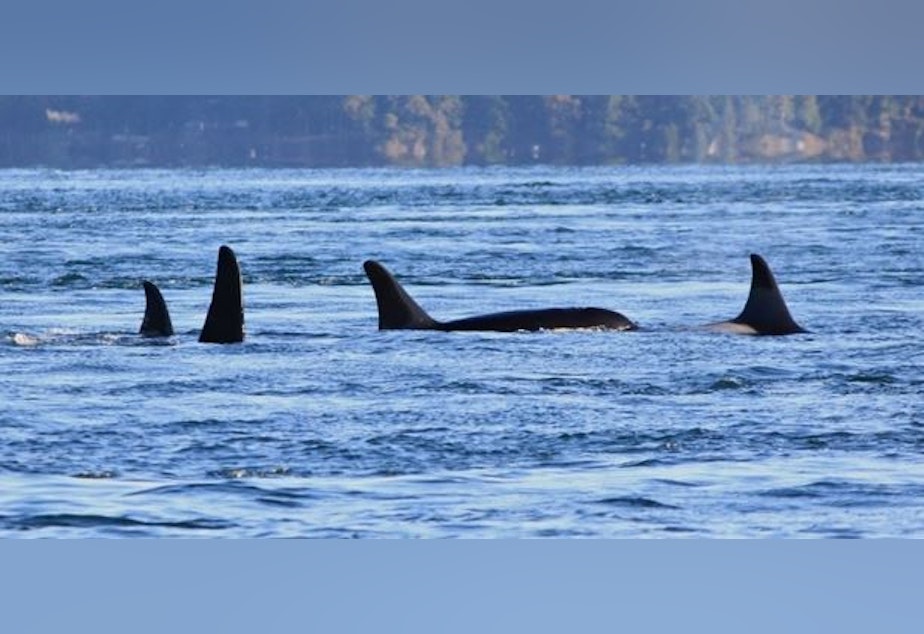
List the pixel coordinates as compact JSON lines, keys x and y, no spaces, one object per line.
{"x":319,"y":425}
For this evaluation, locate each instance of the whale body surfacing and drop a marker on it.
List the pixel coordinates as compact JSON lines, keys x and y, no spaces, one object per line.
{"x":224,"y":322}
{"x":765,"y":312}
{"x":398,"y":311}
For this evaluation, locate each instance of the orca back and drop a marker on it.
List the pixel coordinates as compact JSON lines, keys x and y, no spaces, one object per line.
{"x":544,"y":319}
{"x":398,"y":310}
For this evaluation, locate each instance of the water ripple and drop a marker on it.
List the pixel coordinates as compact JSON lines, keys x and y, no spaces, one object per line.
{"x":320,"y":425}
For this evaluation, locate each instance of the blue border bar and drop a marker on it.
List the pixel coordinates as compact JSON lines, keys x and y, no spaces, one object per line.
{"x":465,"y":586}
{"x":476,"y":47}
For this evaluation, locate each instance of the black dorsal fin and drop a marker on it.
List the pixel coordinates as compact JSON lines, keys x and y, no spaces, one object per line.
{"x":765,"y":310}
{"x":225,"y":320}
{"x":397,"y":309}
{"x":156,"y":322}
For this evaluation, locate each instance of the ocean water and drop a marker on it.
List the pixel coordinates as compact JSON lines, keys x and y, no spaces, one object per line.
{"x":319,"y":425}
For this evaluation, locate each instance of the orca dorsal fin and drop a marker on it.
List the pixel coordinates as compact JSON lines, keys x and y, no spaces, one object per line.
{"x":765,"y":310}
{"x":225,"y":320}
{"x":397,"y":309}
{"x":156,"y":322}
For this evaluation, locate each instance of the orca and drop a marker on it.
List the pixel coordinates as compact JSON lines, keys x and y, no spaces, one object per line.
{"x":156,"y":322}
{"x":765,"y":312}
{"x":224,"y":322}
{"x":399,"y":311}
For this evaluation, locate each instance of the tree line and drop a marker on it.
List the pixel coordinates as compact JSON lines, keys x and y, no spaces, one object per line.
{"x":450,"y":130}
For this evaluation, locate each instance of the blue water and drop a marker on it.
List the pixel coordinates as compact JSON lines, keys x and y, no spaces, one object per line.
{"x":319,"y":425}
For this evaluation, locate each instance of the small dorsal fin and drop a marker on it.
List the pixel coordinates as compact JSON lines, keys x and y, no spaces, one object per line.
{"x":156,"y":322}
{"x":397,"y":309}
{"x":225,"y":320}
{"x":765,"y":310}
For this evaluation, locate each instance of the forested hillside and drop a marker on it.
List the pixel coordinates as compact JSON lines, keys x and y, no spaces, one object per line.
{"x":446,"y":130}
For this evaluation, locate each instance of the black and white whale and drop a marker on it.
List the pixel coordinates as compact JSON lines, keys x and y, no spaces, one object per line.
{"x":399,"y":311}
{"x":224,"y":322}
{"x":765,"y":312}
{"x":156,"y":322}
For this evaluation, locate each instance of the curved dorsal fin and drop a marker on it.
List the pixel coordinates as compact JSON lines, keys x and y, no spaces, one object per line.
{"x":765,"y":310}
{"x":156,"y":322}
{"x":225,"y":320}
{"x":397,"y":309}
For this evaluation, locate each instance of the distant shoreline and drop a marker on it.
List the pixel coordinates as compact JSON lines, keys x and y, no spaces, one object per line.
{"x":421,"y":131}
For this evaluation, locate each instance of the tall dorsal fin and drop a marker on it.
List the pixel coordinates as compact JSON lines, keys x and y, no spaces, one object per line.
{"x":397,"y":309}
{"x":156,"y":322}
{"x":225,"y":320}
{"x":765,"y":310}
